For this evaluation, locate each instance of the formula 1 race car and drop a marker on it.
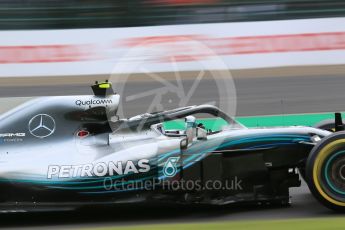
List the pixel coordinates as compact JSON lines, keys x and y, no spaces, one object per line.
{"x":74,"y":151}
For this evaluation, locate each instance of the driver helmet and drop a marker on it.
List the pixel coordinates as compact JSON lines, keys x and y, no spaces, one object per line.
{"x":190,"y":122}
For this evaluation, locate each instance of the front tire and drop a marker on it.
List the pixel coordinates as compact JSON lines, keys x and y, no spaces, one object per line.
{"x":328,"y":125}
{"x":325,"y":171}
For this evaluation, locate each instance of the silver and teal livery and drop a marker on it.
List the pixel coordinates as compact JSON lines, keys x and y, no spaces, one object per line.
{"x":73,"y":151}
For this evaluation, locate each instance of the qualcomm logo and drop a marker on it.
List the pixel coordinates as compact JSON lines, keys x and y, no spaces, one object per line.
{"x":170,"y":167}
{"x":42,"y":126}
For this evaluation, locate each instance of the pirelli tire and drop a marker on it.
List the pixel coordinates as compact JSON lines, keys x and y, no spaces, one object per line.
{"x":325,"y":171}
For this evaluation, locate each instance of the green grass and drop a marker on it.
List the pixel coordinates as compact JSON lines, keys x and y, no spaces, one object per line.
{"x":260,"y":121}
{"x":286,"y":120}
{"x":305,"y":224}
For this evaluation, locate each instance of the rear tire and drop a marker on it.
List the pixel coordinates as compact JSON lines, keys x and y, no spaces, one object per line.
{"x":325,"y":171}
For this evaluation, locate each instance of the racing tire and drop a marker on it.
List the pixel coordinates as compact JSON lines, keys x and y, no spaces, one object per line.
{"x":328,"y":125}
{"x":325,"y":171}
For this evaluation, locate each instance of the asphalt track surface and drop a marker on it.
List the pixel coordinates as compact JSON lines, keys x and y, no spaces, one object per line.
{"x":255,"y":96}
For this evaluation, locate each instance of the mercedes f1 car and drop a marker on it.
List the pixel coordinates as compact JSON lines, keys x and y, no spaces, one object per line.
{"x":74,"y":151}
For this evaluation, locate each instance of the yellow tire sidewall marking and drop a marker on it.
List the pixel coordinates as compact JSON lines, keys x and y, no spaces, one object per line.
{"x":325,"y":151}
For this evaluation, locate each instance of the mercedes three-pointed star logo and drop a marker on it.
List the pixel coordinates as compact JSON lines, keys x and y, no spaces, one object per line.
{"x":42,"y":125}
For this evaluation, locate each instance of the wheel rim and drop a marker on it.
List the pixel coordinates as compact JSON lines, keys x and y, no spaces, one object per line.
{"x":326,"y":172}
{"x":334,"y":174}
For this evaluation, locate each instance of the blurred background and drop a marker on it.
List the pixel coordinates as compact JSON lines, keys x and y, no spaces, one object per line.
{"x":283,"y":55}
{"x":61,"y":14}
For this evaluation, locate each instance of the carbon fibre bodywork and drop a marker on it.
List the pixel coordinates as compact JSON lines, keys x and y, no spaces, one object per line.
{"x":66,"y":152}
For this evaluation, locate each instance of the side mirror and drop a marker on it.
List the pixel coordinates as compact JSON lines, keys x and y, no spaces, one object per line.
{"x":184,"y":144}
{"x":338,"y":120}
{"x":201,"y":134}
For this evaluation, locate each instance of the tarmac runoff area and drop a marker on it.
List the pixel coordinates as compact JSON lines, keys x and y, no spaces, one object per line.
{"x":258,"y":93}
